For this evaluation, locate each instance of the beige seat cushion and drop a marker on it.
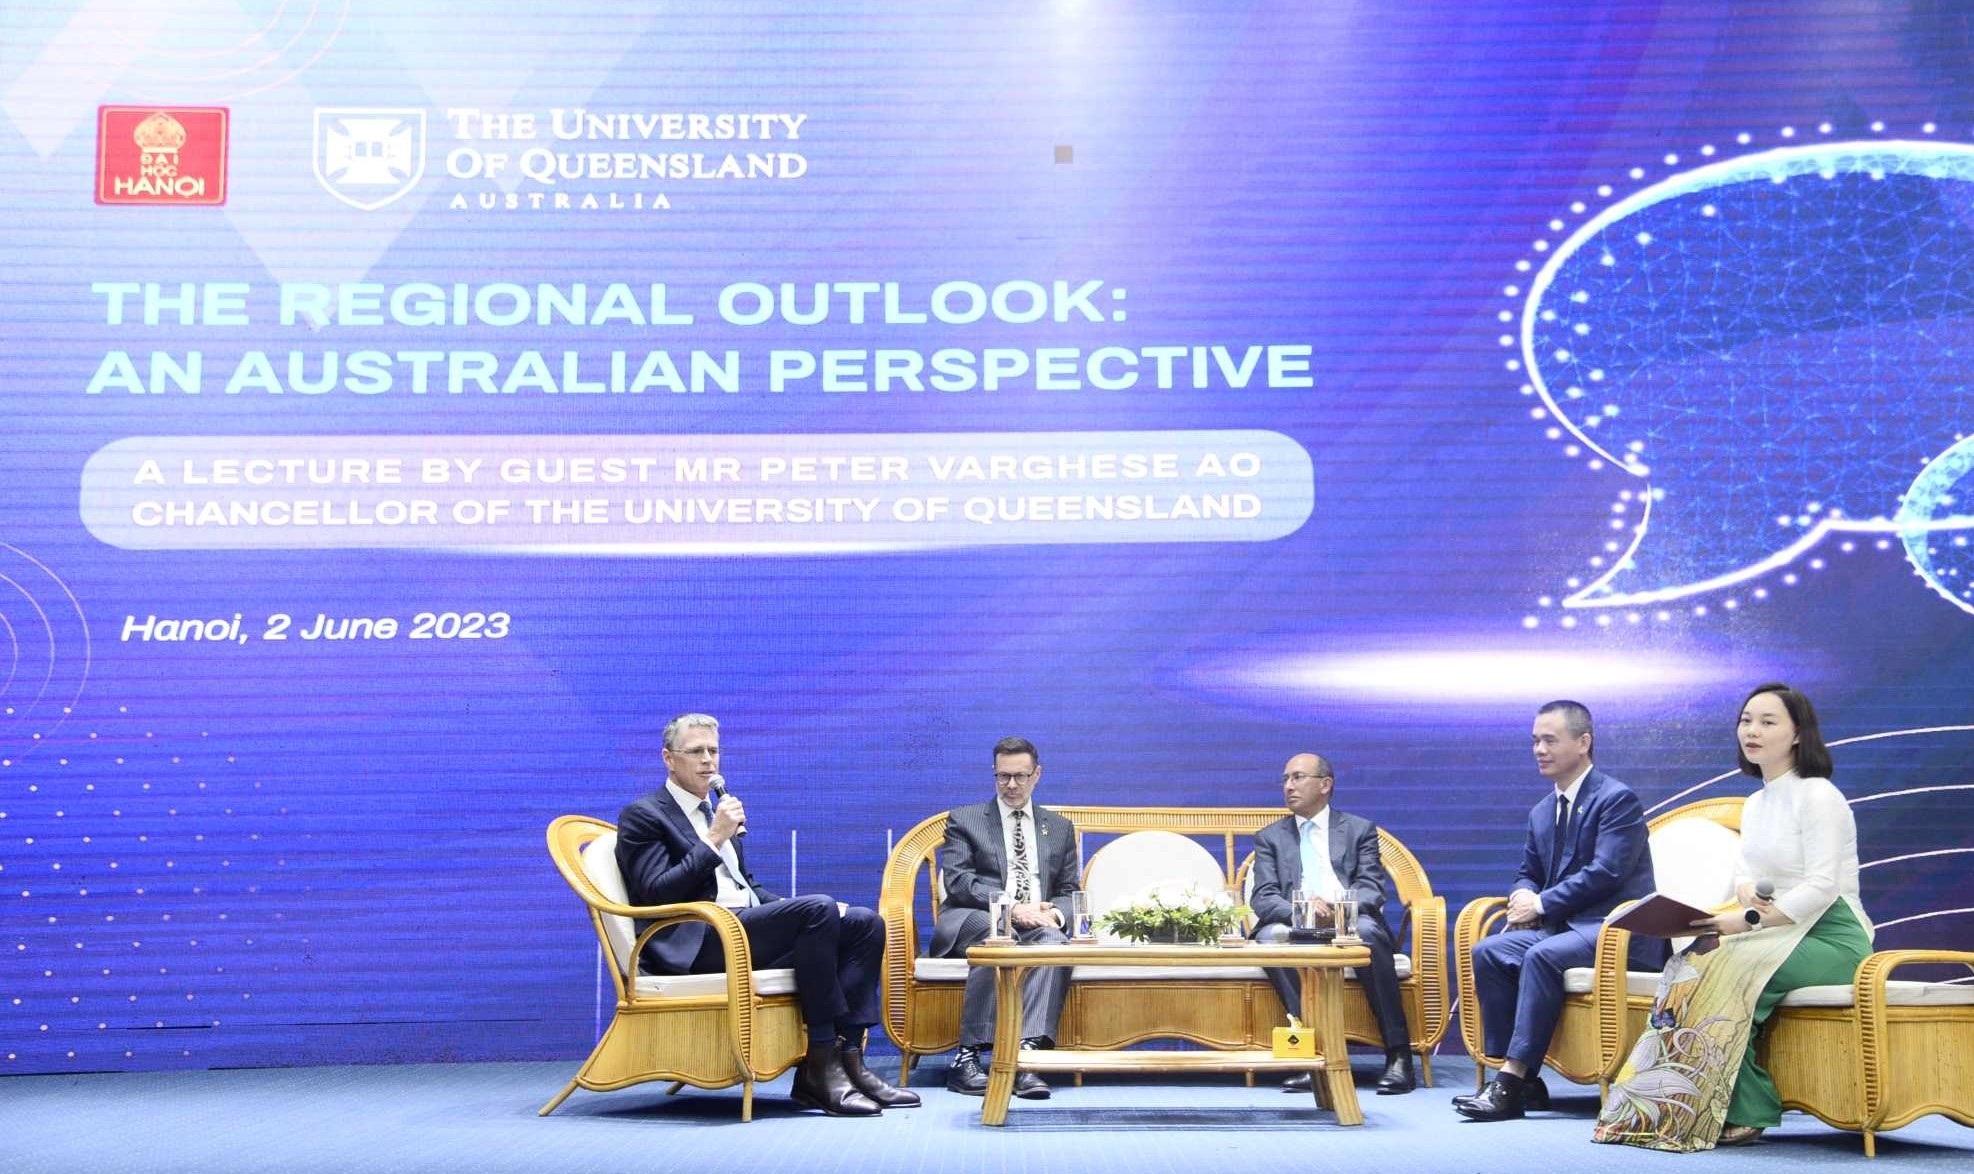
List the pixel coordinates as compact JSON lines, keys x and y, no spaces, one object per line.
{"x":1577,"y":981}
{"x":954,"y":970}
{"x":766,"y":982}
{"x":1897,"y":994}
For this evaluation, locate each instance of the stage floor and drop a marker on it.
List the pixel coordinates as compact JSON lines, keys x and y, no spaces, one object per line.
{"x":480,"y":1118}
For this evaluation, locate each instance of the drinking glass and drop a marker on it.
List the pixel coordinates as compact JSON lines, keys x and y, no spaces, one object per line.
{"x":1000,"y":920}
{"x":1077,"y":916}
{"x":1345,"y":907}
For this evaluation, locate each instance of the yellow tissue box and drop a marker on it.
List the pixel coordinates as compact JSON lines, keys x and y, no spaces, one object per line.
{"x":1295,"y":1043}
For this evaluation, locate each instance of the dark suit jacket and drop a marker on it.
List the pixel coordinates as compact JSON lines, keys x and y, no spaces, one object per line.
{"x":973,"y":868}
{"x":1278,"y":867}
{"x":664,"y":862}
{"x":1605,"y":857}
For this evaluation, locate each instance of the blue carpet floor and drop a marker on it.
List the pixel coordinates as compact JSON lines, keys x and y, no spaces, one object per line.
{"x":480,"y":1118}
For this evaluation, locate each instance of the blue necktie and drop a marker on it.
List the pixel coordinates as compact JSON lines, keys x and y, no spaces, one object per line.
{"x":1312,"y":866}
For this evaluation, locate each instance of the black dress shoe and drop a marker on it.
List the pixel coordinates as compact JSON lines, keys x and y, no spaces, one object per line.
{"x":823,"y":1083}
{"x":1028,"y":1085}
{"x":965,"y":1075}
{"x":870,"y":1083}
{"x":1501,"y":1100}
{"x":1300,"y":1082}
{"x":1398,"y":1077}
{"x":1535,"y":1094}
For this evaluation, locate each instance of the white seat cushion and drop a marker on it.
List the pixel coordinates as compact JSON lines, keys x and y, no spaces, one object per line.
{"x":939,"y":969}
{"x":766,"y":982}
{"x":1897,"y":994}
{"x":1578,"y":981}
{"x":954,"y":970}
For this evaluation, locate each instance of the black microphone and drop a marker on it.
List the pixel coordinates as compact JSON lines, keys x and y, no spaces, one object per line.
{"x":1764,"y":891}
{"x":720,"y":789}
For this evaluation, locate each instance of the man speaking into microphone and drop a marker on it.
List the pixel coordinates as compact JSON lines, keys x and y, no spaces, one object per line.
{"x":682,"y":843}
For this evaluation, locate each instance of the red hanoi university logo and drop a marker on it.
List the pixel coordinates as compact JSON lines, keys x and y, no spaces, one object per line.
{"x":161,"y":155}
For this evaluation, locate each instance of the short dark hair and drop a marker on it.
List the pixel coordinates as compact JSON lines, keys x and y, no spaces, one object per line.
{"x":1016,"y":746}
{"x":1576,"y":719}
{"x":1812,"y":756}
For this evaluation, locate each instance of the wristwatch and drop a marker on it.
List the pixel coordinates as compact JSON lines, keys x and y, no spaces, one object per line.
{"x":1752,"y":916}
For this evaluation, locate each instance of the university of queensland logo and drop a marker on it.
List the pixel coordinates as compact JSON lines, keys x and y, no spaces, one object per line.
{"x":369,"y":156}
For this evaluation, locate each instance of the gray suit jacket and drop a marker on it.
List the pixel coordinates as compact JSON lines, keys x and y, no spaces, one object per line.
{"x":1278,"y":866}
{"x":972,"y":865}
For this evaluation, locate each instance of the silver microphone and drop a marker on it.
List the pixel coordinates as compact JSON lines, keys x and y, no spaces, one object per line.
{"x":720,"y":789}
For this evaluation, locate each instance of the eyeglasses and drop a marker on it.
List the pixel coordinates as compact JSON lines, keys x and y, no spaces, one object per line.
{"x":1004,"y":778}
{"x":699,"y":752}
{"x":1296,"y":776}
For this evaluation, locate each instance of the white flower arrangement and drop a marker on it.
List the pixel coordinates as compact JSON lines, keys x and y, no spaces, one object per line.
{"x":1175,"y":913}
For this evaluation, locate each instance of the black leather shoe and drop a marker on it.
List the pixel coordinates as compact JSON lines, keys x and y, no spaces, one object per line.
{"x":1398,"y":1077}
{"x":1501,"y":1100}
{"x":1028,"y":1085}
{"x":823,"y":1083}
{"x":1300,"y":1082}
{"x":965,"y":1075}
{"x":1535,"y":1094}
{"x":870,"y":1083}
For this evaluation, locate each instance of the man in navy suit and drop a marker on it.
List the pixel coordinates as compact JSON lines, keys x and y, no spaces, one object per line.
{"x":682,"y":843}
{"x":1586,"y":853}
{"x":1330,"y":853}
{"x":1005,"y":845}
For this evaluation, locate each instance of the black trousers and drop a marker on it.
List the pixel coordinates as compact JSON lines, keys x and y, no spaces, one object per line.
{"x":1380,"y":984}
{"x":838,"y":959}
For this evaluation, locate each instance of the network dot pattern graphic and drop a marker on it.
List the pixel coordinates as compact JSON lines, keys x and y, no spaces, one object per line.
{"x":1774,"y":345}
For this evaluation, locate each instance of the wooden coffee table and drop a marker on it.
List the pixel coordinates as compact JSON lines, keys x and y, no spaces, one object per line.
{"x":1322,"y":1012}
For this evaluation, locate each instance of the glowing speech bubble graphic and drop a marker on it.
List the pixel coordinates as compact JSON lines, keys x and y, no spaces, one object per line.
{"x":1774,"y":343}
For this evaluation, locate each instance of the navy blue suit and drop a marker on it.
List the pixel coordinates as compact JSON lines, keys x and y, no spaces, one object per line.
{"x":1518,"y":974}
{"x":837,"y":958}
{"x":1353,"y":852}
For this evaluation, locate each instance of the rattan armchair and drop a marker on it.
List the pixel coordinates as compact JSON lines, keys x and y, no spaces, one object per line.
{"x":706,"y":1030}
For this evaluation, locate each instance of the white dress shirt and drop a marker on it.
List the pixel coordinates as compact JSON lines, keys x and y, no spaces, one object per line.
{"x":1799,"y":834}
{"x":1323,"y":882}
{"x":732,"y":892}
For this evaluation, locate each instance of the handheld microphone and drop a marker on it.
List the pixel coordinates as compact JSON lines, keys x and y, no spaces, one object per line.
{"x":720,"y":789}
{"x":1764,"y":891}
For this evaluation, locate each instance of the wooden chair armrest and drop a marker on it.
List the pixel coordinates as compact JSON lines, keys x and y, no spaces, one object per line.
{"x":1476,"y":919}
{"x":1429,"y":964}
{"x":733,"y":942}
{"x":1868,"y":1005}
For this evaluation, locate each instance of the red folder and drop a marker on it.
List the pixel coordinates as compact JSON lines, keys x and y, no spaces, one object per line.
{"x":1660,"y":916}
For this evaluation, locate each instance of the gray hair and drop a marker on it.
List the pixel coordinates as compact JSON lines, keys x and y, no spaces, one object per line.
{"x":688,"y":721}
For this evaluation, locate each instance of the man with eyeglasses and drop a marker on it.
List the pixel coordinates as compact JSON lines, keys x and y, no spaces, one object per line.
{"x":1005,"y":845}
{"x":682,"y":843}
{"x":1330,"y":853}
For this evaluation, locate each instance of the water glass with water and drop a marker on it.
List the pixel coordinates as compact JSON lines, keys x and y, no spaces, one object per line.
{"x":1000,"y":917}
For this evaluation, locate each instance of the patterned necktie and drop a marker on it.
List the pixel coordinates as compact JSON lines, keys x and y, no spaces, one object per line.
{"x":1562,"y":833}
{"x":1023,"y":893}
